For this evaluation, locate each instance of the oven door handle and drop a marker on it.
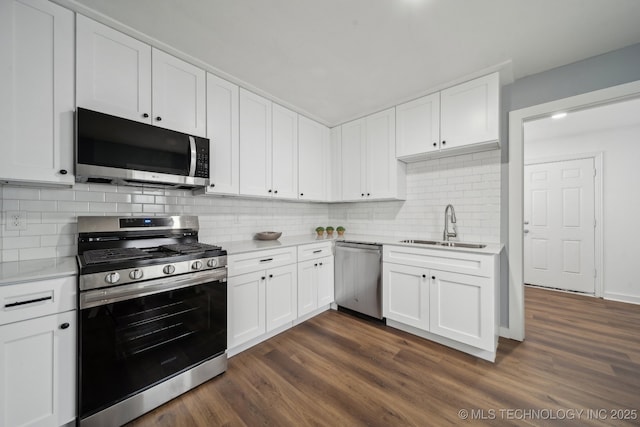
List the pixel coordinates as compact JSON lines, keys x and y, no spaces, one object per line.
{"x":192,"y":163}
{"x":100,"y":297}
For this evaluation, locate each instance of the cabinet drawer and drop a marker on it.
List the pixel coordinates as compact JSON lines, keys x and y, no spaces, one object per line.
{"x":314,"y":250}
{"x":36,"y":299}
{"x":440,"y":259}
{"x":255,"y":261}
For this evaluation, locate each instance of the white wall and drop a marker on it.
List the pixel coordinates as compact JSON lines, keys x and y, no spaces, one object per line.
{"x":621,"y":199}
{"x":471,"y":182}
{"x":52,"y":215}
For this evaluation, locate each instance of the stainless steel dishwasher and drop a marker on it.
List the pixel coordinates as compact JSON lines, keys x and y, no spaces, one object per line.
{"x":358,"y":277}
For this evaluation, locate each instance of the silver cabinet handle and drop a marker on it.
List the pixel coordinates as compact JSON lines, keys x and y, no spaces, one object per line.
{"x":526,"y":231}
{"x":526,"y":223}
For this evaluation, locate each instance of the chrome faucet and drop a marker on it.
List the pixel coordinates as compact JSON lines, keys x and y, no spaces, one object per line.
{"x":446,"y":234}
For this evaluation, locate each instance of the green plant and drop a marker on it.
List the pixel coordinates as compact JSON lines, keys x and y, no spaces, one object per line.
{"x":329,"y":229}
{"x":340,"y":228}
{"x":319,"y":229}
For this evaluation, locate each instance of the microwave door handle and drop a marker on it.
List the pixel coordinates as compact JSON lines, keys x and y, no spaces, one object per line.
{"x":192,"y":165}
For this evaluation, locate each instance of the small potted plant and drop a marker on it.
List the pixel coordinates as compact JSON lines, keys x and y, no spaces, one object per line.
{"x":320,"y":231}
{"x":340,"y":231}
{"x":329,"y":231}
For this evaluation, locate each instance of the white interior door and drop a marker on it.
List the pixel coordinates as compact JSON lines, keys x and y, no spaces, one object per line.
{"x":559,"y":225}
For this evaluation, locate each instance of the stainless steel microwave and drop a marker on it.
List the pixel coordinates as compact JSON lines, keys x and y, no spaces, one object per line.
{"x":114,"y":150}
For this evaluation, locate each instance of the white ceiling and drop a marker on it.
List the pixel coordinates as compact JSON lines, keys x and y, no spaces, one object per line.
{"x":595,"y":119}
{"x":340,"y":59}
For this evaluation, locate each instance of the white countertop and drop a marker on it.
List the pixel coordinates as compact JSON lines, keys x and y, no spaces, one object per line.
{"x":244,"y":246}
{"x":37,"y":269}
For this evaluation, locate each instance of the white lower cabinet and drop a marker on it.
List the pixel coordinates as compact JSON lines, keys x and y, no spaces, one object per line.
{"x":269,"y":291}
{"x":262,"y":296}
{"x":260,"y":302}
{"x":37,"y":371}
{"x":38,"y":330}
{"x":447,"y":296}
{"x":406,"y":295}
{"x":462,"y":308}
{"x":315,"y":284}
{"x":281,"y":296}
{"x":245,"y":306}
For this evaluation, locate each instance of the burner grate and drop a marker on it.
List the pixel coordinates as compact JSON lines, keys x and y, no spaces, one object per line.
{"x":98,"y":256}
{"x":189,"y":248}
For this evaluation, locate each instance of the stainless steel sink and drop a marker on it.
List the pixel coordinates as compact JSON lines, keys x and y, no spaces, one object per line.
{"x":449,"y":244}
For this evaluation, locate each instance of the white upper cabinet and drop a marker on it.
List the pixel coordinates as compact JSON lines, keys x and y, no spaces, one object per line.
{"x":385,"y":176}
{"x":36,"y":82}
{"x":268,"y":148}
{"x":284,"y":153}
{"x":255,"y":144}
{"x":334,"y":168}
{"x":370,"y":170}
{"x":353,"y":159}
{"x":113,"y":72}
{"x":178,"y":94}
{"x":222,"y":131}
{"x":313,"y":140}
{"x":463,"y":118}
{"x":124,"y":77}
{"x":470,"y":112}
{"x":418,"y":126}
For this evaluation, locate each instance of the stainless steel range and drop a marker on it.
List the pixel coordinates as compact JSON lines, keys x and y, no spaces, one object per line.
{"x":153,"y":314}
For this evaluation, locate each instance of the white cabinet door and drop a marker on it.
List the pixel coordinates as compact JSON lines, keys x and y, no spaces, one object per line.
{"x":470,"y":112}
{"x":462,"y":308}
{"x":255,"y":144}
{"x":38,"y":370}
{"x":284,"y":153}
{"x":178,"y":94}
{"x":307,"y":288}
{"x":381,"y":163}
{"x":406,"y":295}
{"x":353,"y":160}
{"x":281,"y":296}
{"x":325,"y":281}
{"x":222,"y":131}
{"x":246,"y":308}
{"x":313,"y":146}
{"x":113,"y":72}
{"x":418,"y":126}
{"x":335,"y":165}
{"x":36,"y":82}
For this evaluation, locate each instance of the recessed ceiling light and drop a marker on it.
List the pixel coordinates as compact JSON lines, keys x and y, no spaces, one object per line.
{"x":557,"y":116}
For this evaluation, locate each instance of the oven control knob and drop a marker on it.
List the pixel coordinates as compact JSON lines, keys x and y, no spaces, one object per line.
{"x":197,"y":265}
{"x":136,"y":274}
{"x":212,"y":262}
{"x":168,"y":269}
{"x":112,"y":278}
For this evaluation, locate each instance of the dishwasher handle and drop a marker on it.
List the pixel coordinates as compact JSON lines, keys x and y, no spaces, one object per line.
{"x":359,"y":246}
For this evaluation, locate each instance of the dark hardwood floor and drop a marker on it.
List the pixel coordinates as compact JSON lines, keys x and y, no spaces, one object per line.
{"x":580,"y":354}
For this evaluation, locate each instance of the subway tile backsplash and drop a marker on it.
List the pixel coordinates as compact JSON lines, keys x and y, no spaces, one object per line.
{"x":470,"y":182}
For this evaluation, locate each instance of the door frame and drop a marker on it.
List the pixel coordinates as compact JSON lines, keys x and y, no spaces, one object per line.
{"x":514,"y":244}
{"x":598,"y":262}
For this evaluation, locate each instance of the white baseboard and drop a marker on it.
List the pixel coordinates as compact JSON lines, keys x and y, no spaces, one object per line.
{"x":633,"y":299}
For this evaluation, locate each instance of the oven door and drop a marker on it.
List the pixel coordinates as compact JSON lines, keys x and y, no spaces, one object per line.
{"x":132,"y":337}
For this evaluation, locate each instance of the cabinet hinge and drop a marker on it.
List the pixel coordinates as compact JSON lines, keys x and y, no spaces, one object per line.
{"x":595,"y":273}
{"x":594,"y":172}
{"x":594,"y":223}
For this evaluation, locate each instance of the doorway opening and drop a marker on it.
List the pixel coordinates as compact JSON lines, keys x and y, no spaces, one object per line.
{"x":626,"y":290}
